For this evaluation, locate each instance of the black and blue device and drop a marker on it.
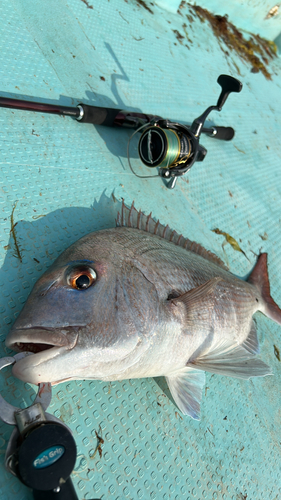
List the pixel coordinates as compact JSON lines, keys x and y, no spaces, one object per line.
{"x":41,"y":451}
{"x":44,"y":460}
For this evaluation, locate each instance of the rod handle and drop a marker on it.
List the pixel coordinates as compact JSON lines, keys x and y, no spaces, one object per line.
{"x":97,"y":116}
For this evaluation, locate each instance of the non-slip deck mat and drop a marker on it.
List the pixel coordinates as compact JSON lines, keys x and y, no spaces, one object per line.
{"x":61,"y":179}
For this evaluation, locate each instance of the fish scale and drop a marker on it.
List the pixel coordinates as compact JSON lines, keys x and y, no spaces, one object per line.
{"x":148,"y":306}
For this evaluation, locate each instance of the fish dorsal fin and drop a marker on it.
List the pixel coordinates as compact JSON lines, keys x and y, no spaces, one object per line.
{"x":130,"y":217}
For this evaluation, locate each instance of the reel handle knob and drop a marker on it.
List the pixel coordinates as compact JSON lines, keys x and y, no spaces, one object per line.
{"x":228,"y":84}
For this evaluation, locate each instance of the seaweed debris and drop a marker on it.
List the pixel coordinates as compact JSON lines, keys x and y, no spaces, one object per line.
{"x":87,"y":4}
{"x":277,"y":352}
{"x":143,"y":4}
{"x":254,"y":49}
{"x":229,"y":239}
{"x":99,"y":443}
{"x":13,"y":233}
{"x":179,"y":37}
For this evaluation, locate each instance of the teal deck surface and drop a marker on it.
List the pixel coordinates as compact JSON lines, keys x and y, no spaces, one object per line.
{"x":59,"y":176}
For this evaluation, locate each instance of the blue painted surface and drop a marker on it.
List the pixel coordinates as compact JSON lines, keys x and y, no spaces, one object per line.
{"x":62,"y":175}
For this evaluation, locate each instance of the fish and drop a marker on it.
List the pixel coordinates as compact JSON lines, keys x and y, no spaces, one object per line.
{"x":139,"y":300}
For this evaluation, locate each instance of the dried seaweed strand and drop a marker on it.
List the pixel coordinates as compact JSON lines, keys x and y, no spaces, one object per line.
{"x":13,"y":233}
{"x":100,"y":442}
{"x":277,"y":352}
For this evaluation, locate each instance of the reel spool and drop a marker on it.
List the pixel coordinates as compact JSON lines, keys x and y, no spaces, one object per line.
{"x":166,"y":148}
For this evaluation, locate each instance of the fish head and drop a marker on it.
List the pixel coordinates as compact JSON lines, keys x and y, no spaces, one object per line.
{"x":87,"y":316}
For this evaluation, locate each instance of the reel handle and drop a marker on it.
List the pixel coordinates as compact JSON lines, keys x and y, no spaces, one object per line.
{"x":228,"y":85}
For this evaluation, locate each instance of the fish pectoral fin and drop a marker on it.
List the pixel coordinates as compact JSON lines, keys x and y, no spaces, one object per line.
{"x":186,"y":388}
{"x":232,"y":360}
{"x":251,"y":344}
{"x":198,"y":303}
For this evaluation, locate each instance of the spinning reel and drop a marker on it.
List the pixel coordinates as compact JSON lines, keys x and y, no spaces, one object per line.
{"x":173,"y":147}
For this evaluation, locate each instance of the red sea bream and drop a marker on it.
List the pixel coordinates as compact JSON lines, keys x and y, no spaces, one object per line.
{"x":138,"y":301}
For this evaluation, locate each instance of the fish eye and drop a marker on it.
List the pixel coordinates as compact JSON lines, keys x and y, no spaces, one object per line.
{"x":82,"y":278}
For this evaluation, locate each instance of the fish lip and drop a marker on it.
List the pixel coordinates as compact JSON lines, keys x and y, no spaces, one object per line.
{"x":19,"y":339}
{"x":21,"y":369}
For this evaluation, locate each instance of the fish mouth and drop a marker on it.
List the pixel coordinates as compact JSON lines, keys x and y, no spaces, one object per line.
{"x":31,"y":347}
{"x":38,"y":339}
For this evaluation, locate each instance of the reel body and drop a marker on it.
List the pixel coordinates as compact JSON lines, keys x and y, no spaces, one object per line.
{"x":174,"y":147}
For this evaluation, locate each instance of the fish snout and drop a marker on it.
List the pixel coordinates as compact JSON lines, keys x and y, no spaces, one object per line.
{"x":40,"y":339}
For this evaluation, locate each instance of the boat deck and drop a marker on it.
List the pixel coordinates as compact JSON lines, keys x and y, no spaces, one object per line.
{"x":61,"y":179}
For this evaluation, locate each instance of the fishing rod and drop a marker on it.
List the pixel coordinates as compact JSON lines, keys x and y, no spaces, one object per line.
{"x":170,"y":146}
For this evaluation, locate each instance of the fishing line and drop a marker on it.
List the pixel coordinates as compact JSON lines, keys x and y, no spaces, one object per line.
{"x":128,"y":156}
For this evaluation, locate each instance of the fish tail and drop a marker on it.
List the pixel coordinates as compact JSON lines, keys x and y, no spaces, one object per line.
{"x":259,"y":278}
